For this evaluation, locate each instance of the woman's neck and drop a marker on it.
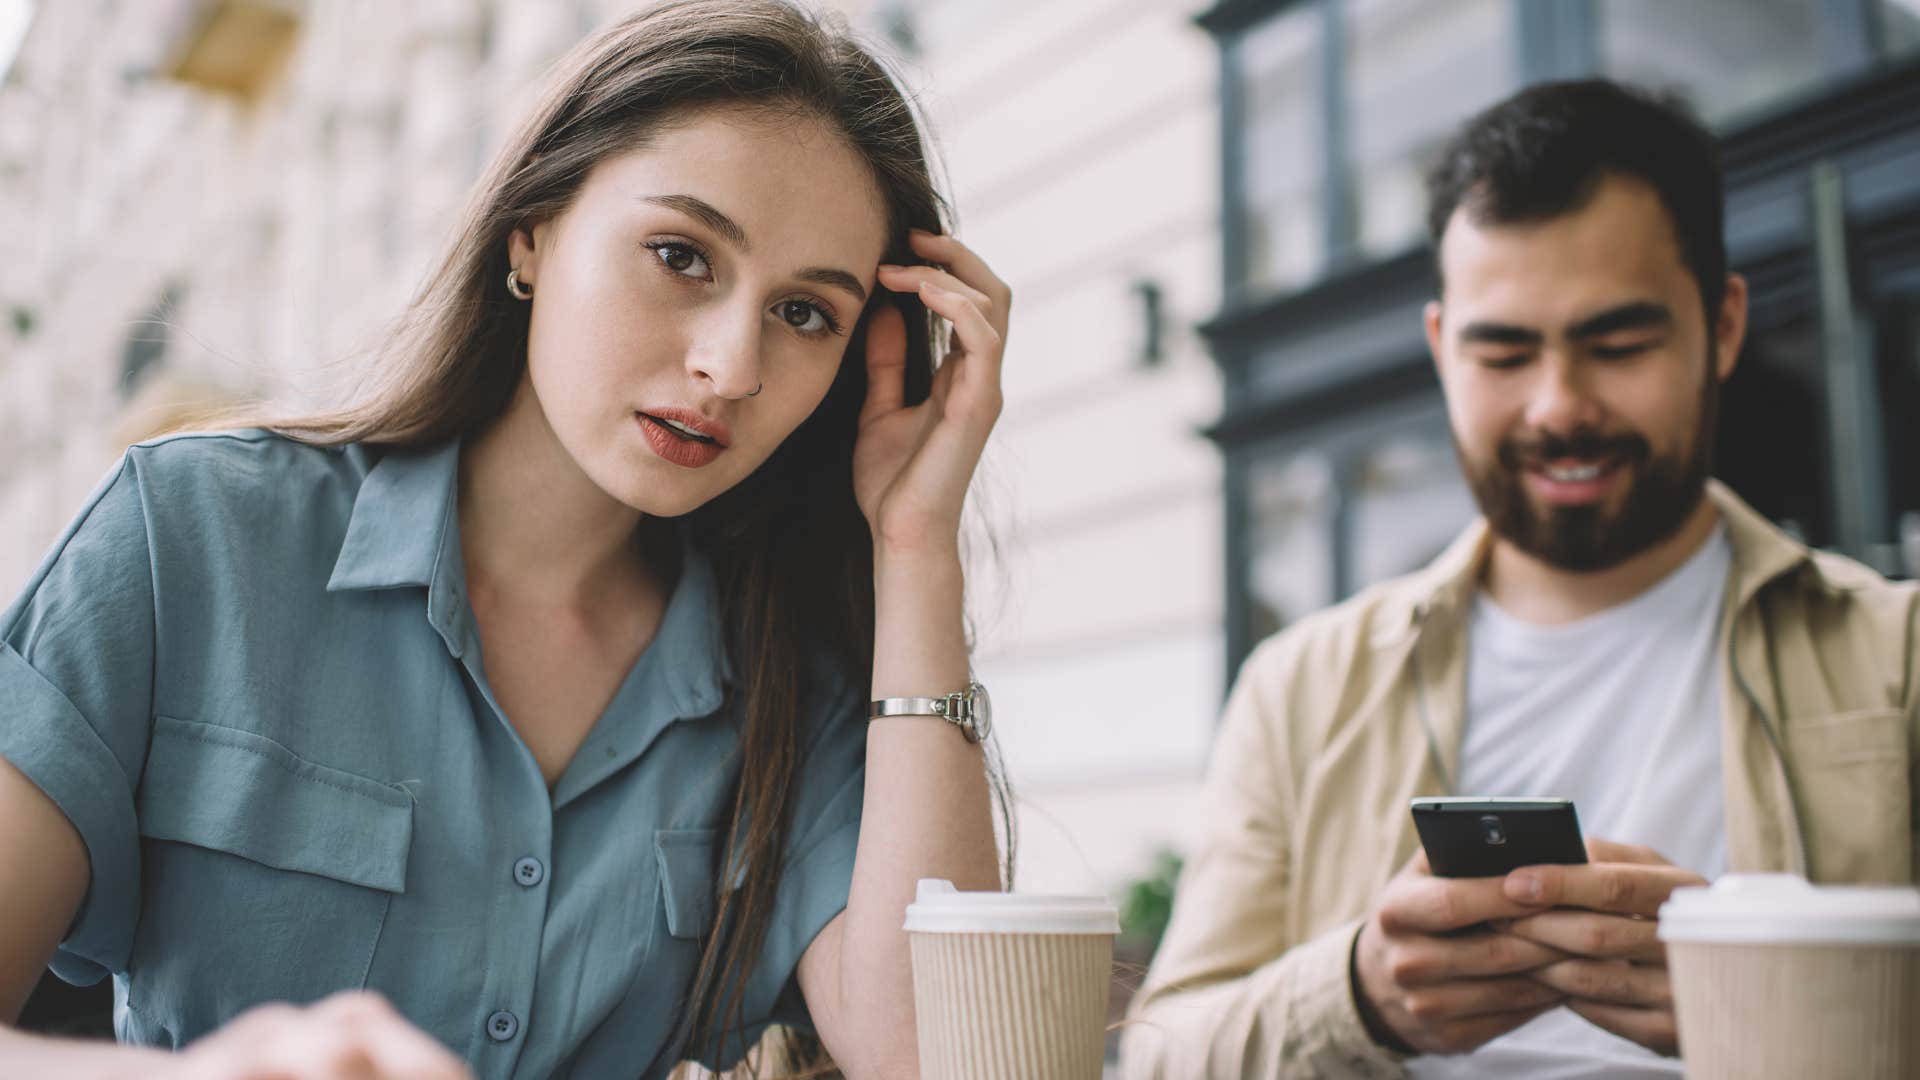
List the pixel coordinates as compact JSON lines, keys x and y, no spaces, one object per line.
{"x":533,"y":525}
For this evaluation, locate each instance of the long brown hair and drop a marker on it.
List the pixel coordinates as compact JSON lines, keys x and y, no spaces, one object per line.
{"x":793,"y":598}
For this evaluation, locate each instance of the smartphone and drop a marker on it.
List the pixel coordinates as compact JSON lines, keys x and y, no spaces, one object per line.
{"x":1491,"y":837}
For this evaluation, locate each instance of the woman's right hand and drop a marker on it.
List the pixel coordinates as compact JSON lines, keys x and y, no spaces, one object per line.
{"x":349,"y":1036}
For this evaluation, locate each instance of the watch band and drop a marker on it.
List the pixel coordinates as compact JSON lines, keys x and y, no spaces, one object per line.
{"x":910,"y":706}
{"x":954,"y":708}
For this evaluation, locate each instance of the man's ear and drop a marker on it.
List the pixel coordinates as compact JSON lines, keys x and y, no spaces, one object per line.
{"x":1730,"y":327}
{"x":1431,"y":317}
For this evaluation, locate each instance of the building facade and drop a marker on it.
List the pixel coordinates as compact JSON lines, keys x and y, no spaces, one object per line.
{"x":1339,"y":468}
{"x":1220,"y":413}
{"x":208,"y":201}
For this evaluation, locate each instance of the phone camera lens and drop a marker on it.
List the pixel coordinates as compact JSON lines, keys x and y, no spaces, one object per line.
{"x":1492,"y":831}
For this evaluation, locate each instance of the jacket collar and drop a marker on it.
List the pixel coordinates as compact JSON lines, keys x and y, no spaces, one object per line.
{"x":1762,"y":554}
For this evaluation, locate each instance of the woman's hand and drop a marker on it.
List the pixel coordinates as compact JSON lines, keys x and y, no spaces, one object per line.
{"x":912,"y":465}
{"x":349,"y":1036}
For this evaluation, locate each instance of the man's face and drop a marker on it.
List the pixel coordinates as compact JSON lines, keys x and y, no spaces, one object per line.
{"x":1581,"y":375}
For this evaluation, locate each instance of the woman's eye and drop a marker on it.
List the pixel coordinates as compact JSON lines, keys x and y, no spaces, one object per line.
{"x":804,"y":317}
{"x":681,"y":259}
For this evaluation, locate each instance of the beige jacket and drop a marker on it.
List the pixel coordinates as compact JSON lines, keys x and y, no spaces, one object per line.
{"x":1340,"y":720}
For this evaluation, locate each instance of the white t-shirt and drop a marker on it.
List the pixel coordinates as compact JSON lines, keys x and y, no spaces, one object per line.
{"x":1620,"y":712}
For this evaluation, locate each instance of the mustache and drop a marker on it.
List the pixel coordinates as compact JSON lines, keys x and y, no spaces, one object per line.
{"x":1537,"y":448}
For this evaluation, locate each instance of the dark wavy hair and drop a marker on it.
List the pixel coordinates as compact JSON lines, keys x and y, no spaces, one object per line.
{"x":1543,"y":152}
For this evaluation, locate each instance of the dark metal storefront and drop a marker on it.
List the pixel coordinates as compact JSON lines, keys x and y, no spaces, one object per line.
{"x":1339,"y":468}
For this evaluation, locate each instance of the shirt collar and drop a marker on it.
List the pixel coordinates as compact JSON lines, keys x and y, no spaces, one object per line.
{"x":404,"y":532}
{"x":401,"y":521}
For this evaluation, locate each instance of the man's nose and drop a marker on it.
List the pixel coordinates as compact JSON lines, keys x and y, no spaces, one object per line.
{"x":1562,"y":397}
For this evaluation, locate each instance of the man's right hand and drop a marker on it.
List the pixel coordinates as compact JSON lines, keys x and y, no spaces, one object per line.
{"x":1429,"y":971}
{"x":353,"y":1035}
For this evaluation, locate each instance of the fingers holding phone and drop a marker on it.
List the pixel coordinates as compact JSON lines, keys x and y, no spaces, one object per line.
{"x":1432,"y":976}
{"x":1605,"y":917}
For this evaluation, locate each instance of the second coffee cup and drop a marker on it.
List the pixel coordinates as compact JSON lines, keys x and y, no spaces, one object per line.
{"x":1775,"y":977}
{"x":1010,"y":986}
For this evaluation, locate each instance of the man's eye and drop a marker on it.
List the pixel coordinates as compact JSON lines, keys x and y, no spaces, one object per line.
{"x":1621,"y":352}
{"x":681,"y":259}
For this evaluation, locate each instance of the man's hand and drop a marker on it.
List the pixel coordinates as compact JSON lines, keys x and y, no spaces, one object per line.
{"x":1428,"y":970}
{"x":1616,"y":972}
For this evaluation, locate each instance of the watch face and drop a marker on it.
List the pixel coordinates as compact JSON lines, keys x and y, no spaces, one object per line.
{"x":981,"y":708}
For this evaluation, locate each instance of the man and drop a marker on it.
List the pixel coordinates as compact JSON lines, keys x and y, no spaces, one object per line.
{"x":1618,"y":629}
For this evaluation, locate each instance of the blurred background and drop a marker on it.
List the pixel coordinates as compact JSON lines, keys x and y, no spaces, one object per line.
{"x":1220,"y":411}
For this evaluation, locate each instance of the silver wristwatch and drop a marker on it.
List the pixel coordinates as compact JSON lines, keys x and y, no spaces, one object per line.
{"x":970,"y":710}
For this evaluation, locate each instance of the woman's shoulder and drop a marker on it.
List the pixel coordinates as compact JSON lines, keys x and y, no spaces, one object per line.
{"x":245,"y":488}
{"x":243,"y":460}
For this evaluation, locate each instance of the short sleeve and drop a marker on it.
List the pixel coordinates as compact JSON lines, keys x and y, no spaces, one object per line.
{"x":817,"y":871}
{"x":76,"y":686}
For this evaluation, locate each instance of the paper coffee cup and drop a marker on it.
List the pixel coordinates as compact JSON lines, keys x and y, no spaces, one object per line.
{"x":1775,"y":977}
{"x":1010,"y":986}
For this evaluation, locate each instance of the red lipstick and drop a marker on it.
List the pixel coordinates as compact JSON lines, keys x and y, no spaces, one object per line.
{"x":682,"y":436}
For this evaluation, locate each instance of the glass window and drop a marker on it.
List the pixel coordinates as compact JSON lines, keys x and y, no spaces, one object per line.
{"x":1282,"y":218}
{"x":1409,"y":502}
{"x":1726,"y":57}
{"x":1414,"y":71}
{"x":1899,"y":27}
{"x":1290,"y":505}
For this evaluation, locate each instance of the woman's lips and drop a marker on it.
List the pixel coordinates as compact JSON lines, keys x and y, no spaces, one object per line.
{"x":681,"y":450}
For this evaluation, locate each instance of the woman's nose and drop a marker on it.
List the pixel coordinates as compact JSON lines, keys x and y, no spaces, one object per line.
{"x":726,"y":354}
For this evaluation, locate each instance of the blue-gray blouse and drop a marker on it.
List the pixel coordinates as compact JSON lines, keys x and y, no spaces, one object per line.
{"x":249,"y":675}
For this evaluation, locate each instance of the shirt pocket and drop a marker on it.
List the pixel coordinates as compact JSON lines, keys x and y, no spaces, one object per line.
{"x":1852,"y":779}
{"x":265,"y":877}
{"x":687,"y":880}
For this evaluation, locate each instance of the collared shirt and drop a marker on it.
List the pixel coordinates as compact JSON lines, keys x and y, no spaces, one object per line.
{"x":249,"y":675}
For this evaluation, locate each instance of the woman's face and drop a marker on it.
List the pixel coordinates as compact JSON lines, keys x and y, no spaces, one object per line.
{"x":692,"y":305}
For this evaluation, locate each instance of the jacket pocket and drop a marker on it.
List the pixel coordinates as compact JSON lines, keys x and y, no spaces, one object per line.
{"x":265,"y":877}
{"x":1852,"y":778}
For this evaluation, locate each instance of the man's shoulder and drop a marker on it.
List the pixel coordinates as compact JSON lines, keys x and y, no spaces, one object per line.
{"x":1858,"y":581}
{"x":1858,"y":607}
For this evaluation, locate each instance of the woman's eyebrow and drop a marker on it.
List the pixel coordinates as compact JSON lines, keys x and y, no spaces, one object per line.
{"x":820,"y":275}
{"x":710,"y":215}
{"x":707,"y":214}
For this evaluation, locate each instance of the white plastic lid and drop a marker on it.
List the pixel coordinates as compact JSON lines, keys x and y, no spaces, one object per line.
{"x":939,"y":908}
{"x":1785,"y":909}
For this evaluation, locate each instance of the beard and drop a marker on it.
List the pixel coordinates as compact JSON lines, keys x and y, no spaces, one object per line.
{"x":1663,"y":491}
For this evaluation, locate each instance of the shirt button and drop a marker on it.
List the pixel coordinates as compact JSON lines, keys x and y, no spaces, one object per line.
{"x":502,"y":1026}
{"x":529,"y":872}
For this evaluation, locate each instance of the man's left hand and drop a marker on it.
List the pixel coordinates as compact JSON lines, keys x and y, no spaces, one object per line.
{"x":1607,"y":916}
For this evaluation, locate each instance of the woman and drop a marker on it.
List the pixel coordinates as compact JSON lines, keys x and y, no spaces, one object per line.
{"x":532,"y":691}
